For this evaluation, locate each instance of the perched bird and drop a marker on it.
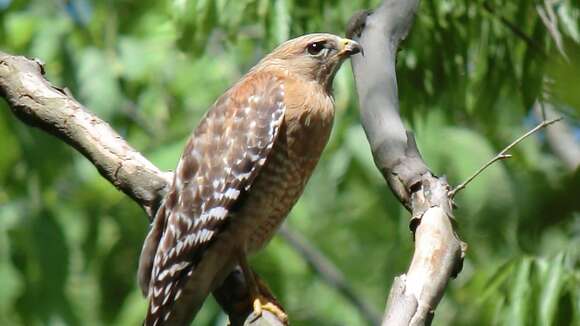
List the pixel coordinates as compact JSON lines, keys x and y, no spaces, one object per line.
{"x":241,"y":172}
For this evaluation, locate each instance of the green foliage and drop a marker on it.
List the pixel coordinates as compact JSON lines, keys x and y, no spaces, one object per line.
{"x":69,"y":242}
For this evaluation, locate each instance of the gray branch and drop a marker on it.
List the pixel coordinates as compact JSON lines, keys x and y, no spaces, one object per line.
{"x":438,"y":252}
{"x":35,"y":101}
{"x":560,"y":137}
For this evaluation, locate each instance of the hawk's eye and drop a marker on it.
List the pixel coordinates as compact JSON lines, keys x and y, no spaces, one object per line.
{"x":315,"y":48}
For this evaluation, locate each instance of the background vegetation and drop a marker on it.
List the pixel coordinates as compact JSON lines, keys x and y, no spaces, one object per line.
{"x":468,"y":76}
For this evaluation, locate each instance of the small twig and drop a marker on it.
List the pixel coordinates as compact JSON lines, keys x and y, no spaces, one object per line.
{"x":502,"y":155}
{"x":542,"y":108}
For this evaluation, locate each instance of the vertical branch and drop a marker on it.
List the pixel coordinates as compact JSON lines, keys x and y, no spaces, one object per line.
{"x":438,"y":251}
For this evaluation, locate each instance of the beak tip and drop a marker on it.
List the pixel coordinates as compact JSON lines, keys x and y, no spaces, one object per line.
{"x":352,"y":47}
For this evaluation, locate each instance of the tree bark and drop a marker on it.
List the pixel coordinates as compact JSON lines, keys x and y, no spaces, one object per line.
{"x":439,"y":252}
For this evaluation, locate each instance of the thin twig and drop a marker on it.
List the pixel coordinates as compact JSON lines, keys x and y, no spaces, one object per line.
{"x":502,"y":155}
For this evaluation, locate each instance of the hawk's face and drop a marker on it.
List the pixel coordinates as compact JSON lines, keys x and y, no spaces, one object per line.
{"x":315,"y":57}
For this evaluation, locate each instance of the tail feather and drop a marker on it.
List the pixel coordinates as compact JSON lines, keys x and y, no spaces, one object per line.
{"x":148,"y":251}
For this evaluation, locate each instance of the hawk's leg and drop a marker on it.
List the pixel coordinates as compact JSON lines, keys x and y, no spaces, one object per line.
{"x":260,"y":301}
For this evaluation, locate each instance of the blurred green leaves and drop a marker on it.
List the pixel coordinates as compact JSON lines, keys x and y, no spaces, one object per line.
{"x":534,"y":291}
{"x":69,"y":241}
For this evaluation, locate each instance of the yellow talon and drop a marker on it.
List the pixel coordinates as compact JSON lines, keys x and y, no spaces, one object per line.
{"x":269,"y":306}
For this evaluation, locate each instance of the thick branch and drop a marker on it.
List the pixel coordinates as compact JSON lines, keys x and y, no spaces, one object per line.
{"x":394,"y":150}
{"x":438,"y":251}
{"x":36,"y":102}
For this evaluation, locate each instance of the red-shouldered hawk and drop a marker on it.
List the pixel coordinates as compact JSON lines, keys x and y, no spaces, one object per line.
{"x":242,"y":170}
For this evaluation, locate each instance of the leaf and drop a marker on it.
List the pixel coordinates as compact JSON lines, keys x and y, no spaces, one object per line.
{"x":552,"y":282}
{"x":569,"y":19}
{"x":520,"y":304}
{"x":498,"y":279}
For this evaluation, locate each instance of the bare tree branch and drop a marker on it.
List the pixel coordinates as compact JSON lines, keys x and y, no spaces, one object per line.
{"x":38,"y":103}
{"x":438,"y":251}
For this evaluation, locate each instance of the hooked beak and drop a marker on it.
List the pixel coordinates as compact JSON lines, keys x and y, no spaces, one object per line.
{"x":347,"y":47}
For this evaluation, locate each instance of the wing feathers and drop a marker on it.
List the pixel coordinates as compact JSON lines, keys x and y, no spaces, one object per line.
{"x":221,"y":160}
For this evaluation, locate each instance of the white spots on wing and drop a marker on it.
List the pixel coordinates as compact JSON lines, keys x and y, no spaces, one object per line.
{"x":167,"y":316}
{"x":178,"y":293}
{"x":154,"y":308}
{"x":179,"y":246}
{"x":254,"y":157}
{"x":165,"y":300}
{"x":156,"y":291}
{"x":203,"y":236}
{"x":218,"y":213}
{"x":161,"y":277}
{"x":174,"y":229}
{"x":168,"y":288}
{"x":247,"y":110}
{"x":244,"y":176}
{"x":232,"y":193}
{"x":253,"y":124}
{"x":171,"y":271}
{"x":178,"y":267}
{"x":197,"y":238}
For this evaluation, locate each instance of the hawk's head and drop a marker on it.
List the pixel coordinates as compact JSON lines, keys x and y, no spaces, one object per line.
{"x":315,"y":57}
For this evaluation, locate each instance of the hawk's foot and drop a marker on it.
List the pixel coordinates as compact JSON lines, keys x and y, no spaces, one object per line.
{"x":262,"y":303}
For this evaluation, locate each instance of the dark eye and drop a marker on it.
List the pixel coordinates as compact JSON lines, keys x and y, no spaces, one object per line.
{"x":315,"y":48}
